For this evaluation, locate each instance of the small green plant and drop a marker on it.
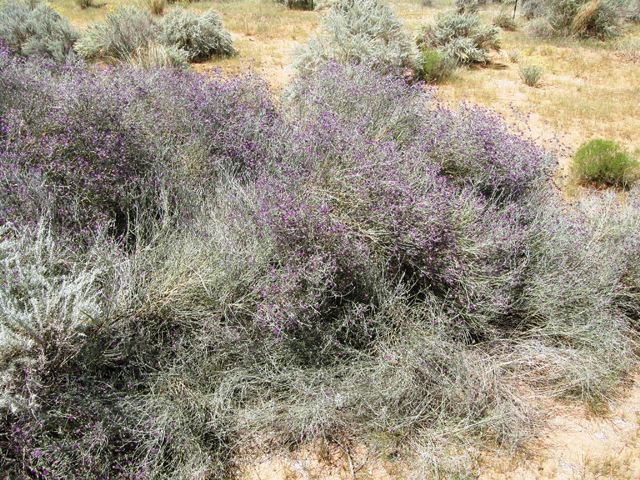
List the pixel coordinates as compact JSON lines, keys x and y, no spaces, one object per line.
{"x":531,"y":74}
{"x":434,"y":67}
{"x":514,"y":55}
{"x":605,"y":162}
{"x":84,"y":3}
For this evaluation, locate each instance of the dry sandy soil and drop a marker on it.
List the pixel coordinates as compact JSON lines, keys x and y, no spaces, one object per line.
{"x":572,"y":445}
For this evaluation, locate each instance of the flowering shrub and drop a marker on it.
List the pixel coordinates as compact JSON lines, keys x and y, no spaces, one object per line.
{"x":84,"y":147}
{"x":269,"y":265}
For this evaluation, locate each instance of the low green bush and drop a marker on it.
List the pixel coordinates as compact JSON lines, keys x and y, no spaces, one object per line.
{"x":605,"y":162}
{"x":434,"y":67}
{"x":531,"y":74}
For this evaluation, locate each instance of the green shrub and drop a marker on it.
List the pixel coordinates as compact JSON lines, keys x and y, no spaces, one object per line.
{"x":366,"y":32}
{"x":84,"y":3}
{"x":434,"y":67}
{"x":201,"y":36}
{"x":530,"y":74}
{"x":31,"y":28}
{"x":461,"y":37}
{"x":119,"y":35}
{"x":605,"y":162}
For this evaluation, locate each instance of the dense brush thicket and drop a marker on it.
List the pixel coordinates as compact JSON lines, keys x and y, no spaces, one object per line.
{"x":184,"y":267}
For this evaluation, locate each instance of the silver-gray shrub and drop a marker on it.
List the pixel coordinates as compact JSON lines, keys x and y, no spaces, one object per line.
{"x":582,"y":18}
{"x":366,"y":32}
{"x":201,"y":36}
{"x":461,"y":37}
{"x":119,"y":35}
{"x":46,"y":303}
{"x":35,"y":28}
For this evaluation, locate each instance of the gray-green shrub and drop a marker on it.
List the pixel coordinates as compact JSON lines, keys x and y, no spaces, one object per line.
{"x":531,"y":74}
{"x":119,"y":35}
{"x":461,"y":37}
{"x":31,"y":28}
{"x":367,"y":32}
{"x":200,"y":35}
{"x":583,"y":18}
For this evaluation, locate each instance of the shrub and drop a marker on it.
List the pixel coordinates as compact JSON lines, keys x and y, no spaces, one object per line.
{"x":298,"y":4}
{"x":530,"y":74}
{"x":505,"y":21}
{"x":469,"y":6}
{"x":362,"y":31}
{"x":584,"y":18}
{"x":541,"y":28}
{"x":157,"y":55}
{"x":605,"y":161}
{"x":156,"y":7}
{"x":83,"y":4}
{"x":36,"y":29}
{"x":460,"y":37}
{"x":201,"y":36}
{"x":279,"y":262}
{"x":629,"y":48}
{"x":434,"y":67}
{"x":120,"y":34}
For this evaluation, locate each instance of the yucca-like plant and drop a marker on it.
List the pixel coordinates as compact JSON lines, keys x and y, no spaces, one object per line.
{"x":461,"y":37}
{"x":201,"y":36}
{"x":366,"y":32}
{"x":122,"y":32}
{"x":34,"y":28}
